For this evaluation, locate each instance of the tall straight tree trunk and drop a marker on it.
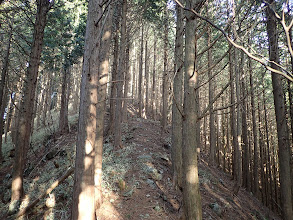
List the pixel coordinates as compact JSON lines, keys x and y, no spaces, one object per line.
{"x":104,"y":55}
{"x":133,"y":74}
{"x":146,"y":73}
{"x":238,"y":159}
{"x":268,"y":168}
{"x":245,"y":147}
{"x":26,"y":107}
{"x":9,"y":116}
{"x":116,"y":24}
{"x":154,"y":107}
{"x":211,"y":97}
{"x":42,"y":99}
{"x":255,"y":188}
{"x":282,"y":126}
{"x":88,"y":149}
{"x":47,"y":100}
{"x":127,"y":79}
{"x":176,"y":150}
{"x":165,"y":75}
{"x":63,"y":121}
{"x":120,"y":79}
{"x":2,"y":88}
{"x":261,"y":147}
{"x":191,"y":194}
{"x":233,"y":119}
{"x":140,"y":98}
{"x":2,"y":111}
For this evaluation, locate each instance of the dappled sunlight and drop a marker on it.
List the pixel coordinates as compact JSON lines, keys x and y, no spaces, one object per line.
{"x":88,"y":160}
{"x":106,"y":35}
{"x":192,"y":174}
{"x":50,"y":204}
{"x":108,"y":212}
{"x":86,"y":202}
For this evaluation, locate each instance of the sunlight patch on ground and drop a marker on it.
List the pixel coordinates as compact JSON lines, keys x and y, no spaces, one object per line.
{"x":108,"y":212}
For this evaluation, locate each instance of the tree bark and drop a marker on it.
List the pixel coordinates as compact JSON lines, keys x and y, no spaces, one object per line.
{"x":83,"y":206}
{"x":254,"y":131}
{"x":211,"y":97}
{"x":140,"y":98}
{"x":191,"y":194}
{"x":282,"y":126}
{"x":116,"y":22}
{"x":2,"y":88}
{"x":104,"y":55}
{"x":268,"y":168}
{"x":63,"y":118}
{"x":233,"y":120}
{"x":146,"y":73}
{"x":176,"y":151}
{"x":120,"y":79}
{"x":245,"y":146}
{"x":26,"y":108}
{"x":154,"y":107}
{"x":165,"y":75}
{"x":127,"y":79}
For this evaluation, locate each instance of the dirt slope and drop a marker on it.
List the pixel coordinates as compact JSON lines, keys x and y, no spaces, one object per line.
{"x":137,"y":182}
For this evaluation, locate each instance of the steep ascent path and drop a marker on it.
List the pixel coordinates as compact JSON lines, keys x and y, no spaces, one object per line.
{"x":140,"y":176}
{"x":141,"y":181}
{"x":137,"y":180}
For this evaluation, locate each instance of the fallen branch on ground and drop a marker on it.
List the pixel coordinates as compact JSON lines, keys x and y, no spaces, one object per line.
{"x":49,"y":190}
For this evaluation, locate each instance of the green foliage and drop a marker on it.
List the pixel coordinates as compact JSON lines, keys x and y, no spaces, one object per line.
{"x":152,"y":10}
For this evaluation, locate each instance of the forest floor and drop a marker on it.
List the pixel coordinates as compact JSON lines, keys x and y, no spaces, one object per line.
{"x":137,"y":179}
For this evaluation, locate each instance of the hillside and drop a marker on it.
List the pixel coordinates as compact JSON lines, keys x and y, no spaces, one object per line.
{"x":137,"y":181}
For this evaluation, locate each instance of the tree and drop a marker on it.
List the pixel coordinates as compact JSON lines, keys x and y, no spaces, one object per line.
{"x":104,"y":54}
{"x":83,"y":206}
{"x":140,"y":88}
{"x":282,"y":126}
{"x":165,"y":75}
{"x":212,"y":135}
{"x":2,"y":88}
{"x":26,"y":108}
{"x":120,"y":79}
{"x":177,"y":102}
{"x":191,"y":194}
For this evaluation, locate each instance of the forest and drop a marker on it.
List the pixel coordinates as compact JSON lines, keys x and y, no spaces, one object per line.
{"x":146,"y":109}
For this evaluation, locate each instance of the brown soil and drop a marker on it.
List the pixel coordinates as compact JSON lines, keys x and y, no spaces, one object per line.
{"x":141,"y":194}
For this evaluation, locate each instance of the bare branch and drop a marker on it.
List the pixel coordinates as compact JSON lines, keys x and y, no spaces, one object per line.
{"x":263,"y":62}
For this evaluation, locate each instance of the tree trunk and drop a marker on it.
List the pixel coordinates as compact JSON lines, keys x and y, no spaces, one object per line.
{"x":255,"y":188}
{"x":191,"y":194}
{"x":63,"y":118}
{"x":104,"y":55}
{"x":120,"y":79}
{"x":261,"y":147}
{"x":177,"y":102}
{"x":26,"y":108}
{"x":116,"y":21}
{"x":9,"y":116}
{"x":269,"y":164}
{"x":127,"y":79}
{"x":233,"y":120}
{"x":282,"y":127}
{"x":146,"y":76}
{"x":245,"y":139}
{"x":238,"y":159}
{"x":165,"y":75}
{"x":154,"y":107}
{"x":2,"y":88}
{"x":140,"y":98}
{"x":211,"y":97}
{"x":83,"y":206}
